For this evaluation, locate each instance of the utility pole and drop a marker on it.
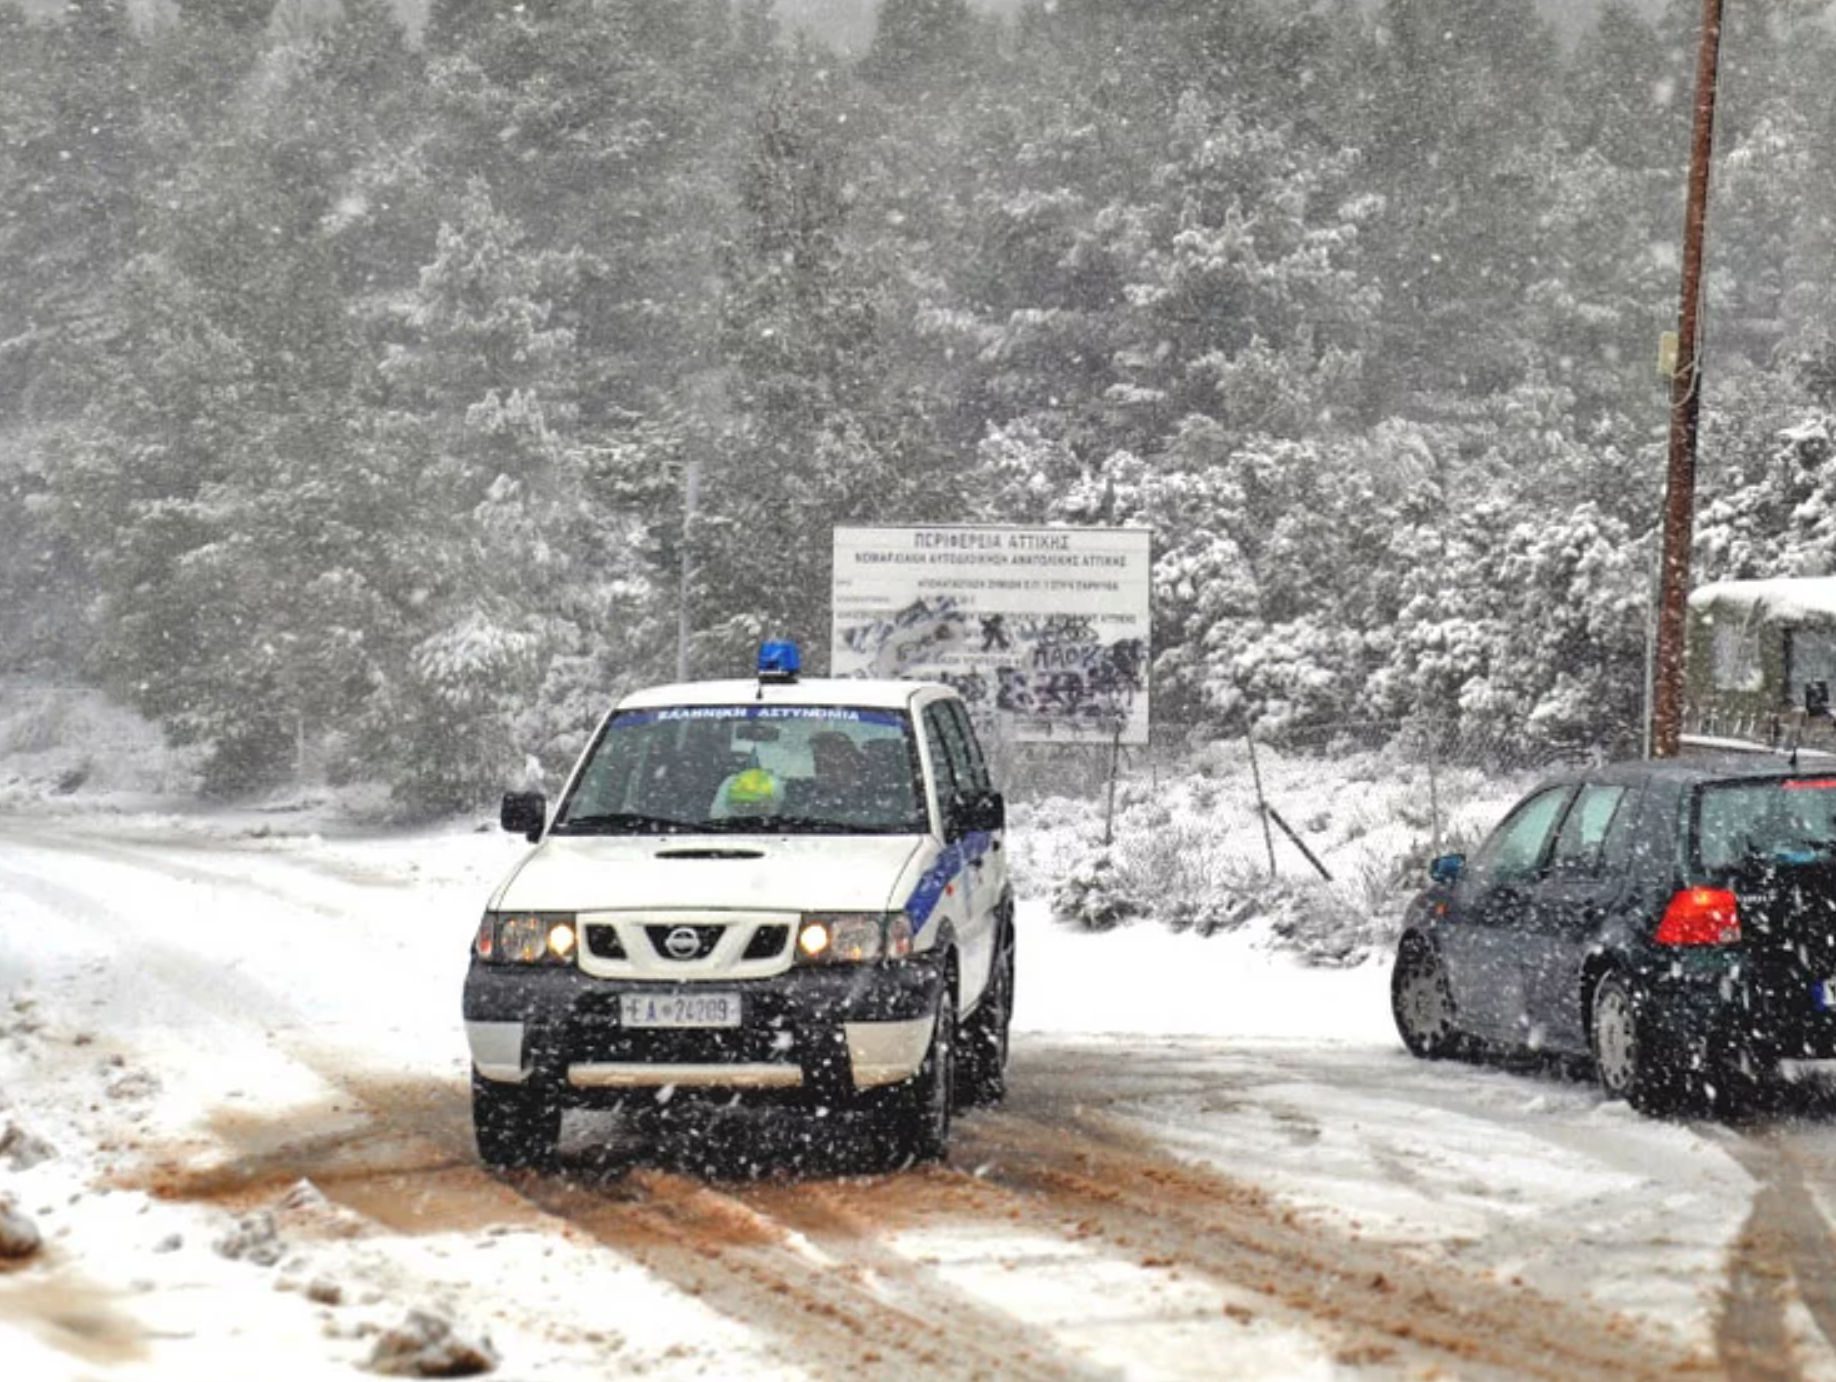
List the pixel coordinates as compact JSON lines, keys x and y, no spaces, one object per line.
{"x":1685,"y":411}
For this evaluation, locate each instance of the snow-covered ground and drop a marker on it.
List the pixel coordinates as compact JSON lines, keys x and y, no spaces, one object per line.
{"x":232,"y":1102}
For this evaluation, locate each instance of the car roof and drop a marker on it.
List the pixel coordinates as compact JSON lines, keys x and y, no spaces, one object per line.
{"x":1702,"y":767}
{"x":860,"y":693}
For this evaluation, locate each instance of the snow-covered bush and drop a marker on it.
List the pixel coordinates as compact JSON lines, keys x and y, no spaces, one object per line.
{"x":1323,"y":923}
{"x":1320,"y":922}
{"x":1205,"y":915}
{"x":1095,"y":895}
{"x":1189,"y":852}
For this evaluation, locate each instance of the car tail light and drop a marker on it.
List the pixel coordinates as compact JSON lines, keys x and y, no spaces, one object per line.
{"x":1700,"y":916}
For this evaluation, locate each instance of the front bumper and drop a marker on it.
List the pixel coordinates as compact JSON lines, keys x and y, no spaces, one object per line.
{"x":817,"y":1035}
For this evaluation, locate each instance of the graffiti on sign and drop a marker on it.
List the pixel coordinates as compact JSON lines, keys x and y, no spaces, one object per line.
{"x":919,"y":633}
{"x":1043,"y":631}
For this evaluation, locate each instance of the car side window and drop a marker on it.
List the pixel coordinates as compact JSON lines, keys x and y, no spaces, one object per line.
{"x":943,"y":765}
{"x":974,"y":767}
{"x":1514,"y":852}
{"x":1622,"y":834}
{"x":1580,"y":843}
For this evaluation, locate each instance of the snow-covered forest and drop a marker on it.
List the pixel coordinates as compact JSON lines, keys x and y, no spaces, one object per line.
{"x":349,"y":378}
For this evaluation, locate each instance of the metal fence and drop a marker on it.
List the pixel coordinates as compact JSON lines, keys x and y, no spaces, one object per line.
{"x":1441,"y":764}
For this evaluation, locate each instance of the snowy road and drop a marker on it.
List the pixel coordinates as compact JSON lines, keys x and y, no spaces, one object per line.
{"x":198,"y":1014}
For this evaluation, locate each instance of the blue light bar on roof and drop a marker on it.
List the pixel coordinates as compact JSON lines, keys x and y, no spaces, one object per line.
{"x":779,"y":661}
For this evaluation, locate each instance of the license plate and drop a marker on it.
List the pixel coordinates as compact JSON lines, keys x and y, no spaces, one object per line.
{"x":679,"y":1009}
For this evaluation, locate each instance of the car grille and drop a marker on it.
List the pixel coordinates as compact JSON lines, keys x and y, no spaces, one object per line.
{"x":767,"y":943}
{"x":706,"y":938}
{"x":603,"y":941}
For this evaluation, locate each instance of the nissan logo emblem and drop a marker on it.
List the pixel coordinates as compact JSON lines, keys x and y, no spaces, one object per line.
{"x":683,"y":943}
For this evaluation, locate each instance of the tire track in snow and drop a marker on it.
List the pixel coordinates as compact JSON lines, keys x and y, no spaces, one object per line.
{"x":1380,"y":1301}
{"x":707,"y":1240}
{"x":1787,"y":1242}
{"x":156,"y":860}
{"x":408,"y":1164}
{"x":408,"y":1169}
{"x":849,"y":1220}
{"x":1810,"y":1239}
{"x":685,"y":1231}
{"x":1052,"y":1166}
{"x":1752,"y":1340}
{"x":1081,"y":1182}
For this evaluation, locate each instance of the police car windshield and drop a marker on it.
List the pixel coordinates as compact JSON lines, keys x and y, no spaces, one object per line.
{"x":749,"y":769}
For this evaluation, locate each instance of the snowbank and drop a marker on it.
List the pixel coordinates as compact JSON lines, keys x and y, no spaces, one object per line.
{"x":59,"y":741}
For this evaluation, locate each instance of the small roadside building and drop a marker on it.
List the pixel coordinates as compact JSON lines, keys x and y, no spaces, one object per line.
{"x":1762,"y":663}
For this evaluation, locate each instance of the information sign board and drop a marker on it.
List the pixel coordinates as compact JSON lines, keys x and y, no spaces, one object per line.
{"x":1042,"y":629}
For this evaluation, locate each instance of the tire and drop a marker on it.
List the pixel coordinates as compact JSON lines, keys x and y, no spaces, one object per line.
{"x":1626,"y":1062}
{"x":515,"y":1126}
{"x":917,"y":1124}
{"x":1738,"y":1085}
{"x":1422,"y":1005}
{"x":981,"y":1078}
{"x":1738,"y":1080}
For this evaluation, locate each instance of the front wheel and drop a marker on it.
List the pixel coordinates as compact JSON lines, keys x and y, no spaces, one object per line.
{"x":917,"y":1125}
{"x":982,"y":1075}
{"x":1421,"y":1002}
{"x":515,"y":1125}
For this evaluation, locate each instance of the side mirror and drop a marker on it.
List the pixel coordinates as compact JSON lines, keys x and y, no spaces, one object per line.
{"x":524,"y":813}
{"x":1817,"y":699}
{"x":1447,"y":868}
{"x":970,"y":812}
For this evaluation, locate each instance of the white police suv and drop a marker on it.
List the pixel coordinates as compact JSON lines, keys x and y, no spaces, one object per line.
{"x":778,"y":888}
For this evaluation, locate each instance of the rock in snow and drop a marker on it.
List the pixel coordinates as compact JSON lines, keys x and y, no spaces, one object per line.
{"x":323,"y":1291}
{"x":424,"y":1345}
{"x":18,"y":1234}
{"x":22,"y":1150}
{"x":135,"y":1084}
{"x":253,"y":1240}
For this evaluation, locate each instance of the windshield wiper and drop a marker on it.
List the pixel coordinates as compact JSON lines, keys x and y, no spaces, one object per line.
{"x":802,"y":825}
{"x":622,"y":823}
{"x":790,"y":825}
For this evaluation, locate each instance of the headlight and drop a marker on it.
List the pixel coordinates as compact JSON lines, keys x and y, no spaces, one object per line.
{"x":844,"y":938}
{"x":526,"y":938}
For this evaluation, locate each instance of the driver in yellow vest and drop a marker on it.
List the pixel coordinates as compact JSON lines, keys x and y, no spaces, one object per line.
{"x":749,"y":792}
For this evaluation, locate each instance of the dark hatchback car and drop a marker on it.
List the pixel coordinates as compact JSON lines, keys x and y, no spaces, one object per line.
{"x":1674,"y":922}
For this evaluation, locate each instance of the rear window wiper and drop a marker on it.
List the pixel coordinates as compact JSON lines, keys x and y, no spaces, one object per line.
{"x":622,"y":823}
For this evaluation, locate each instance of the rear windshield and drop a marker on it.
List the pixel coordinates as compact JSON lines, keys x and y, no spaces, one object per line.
{"x":749,"y":769}
{"x":1790,"y":820}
